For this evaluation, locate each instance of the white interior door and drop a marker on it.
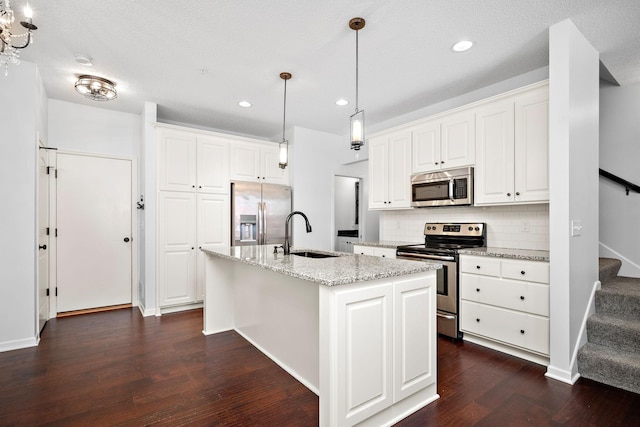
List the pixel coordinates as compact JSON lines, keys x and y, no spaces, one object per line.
{"x":43,"y":238}
{"x":94,"y":249}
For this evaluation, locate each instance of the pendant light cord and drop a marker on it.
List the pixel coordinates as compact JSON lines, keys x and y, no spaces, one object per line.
{"x":284,"y":114}
{"x":357,"y":71}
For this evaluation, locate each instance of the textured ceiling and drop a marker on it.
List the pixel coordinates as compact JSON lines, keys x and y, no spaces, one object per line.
{"x":155,"y":50}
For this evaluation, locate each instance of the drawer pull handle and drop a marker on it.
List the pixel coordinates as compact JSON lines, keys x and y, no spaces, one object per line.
{"x":522,"y":272}
{"x":383,"y":256}
{"x":478,"y":267}
{"x":477,"y":320}
{"x":522,"y":331}
{"x":477,"y":289}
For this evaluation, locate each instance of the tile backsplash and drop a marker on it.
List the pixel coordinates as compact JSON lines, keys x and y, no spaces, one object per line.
{"x":516,"y":226}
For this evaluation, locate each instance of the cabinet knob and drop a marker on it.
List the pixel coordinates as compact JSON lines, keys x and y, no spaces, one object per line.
{"x":517,"y":193}
{"x":192,"y":248}
{"x":522,"y":272}
{"x":522,"y":331}
{"x":383,"y":256}
{"x":478,"y":267}
{"x":193,"y":186}
{"x":126,"y":239}
{"x":522,"y":297}
{"x":477,"y":320}
{"x":442,"y":162}
{"x":361,"y":253}
{"x":436,"y":163}
{"x":477,"y":289}
{"x":508,"y":194}
{"x":199,"y":186}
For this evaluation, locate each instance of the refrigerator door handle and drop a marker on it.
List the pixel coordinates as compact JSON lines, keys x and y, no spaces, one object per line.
{"x":260,"y":225}
{"x":264,"y":223}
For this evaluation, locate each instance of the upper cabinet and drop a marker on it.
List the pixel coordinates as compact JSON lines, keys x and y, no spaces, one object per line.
{"x":390,"y":171}
{"x":192,"y":162}
{"x":512,"y":145}
{"x":447,"y":142}
{"x":257,"y":163}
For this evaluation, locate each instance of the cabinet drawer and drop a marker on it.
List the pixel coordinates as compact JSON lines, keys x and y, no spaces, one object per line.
{"x":480,"y":265}
{"x":516,"y":295}
{"x":522,"y":330}
{"x":531,"y":271}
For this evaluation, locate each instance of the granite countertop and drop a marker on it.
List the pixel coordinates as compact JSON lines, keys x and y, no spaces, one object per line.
{"x":340,"y":270}
{"x":524,"y":254}
{"x":390,"y":244}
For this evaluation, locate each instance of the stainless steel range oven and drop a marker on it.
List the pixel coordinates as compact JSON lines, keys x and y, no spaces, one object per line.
{"x":442,"y":241}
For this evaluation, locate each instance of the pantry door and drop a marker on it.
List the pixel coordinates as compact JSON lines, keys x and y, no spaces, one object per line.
{"x":94,"y":231}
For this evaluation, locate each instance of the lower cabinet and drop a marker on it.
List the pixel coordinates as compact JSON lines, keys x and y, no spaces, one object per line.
{"x":506,"y":301}
{"x":186,"y":222}
{"x":386,"y":341}
{"x":374,"y":251}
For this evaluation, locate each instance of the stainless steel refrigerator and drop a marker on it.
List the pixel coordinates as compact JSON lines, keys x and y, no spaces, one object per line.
{"x":258,"y":213}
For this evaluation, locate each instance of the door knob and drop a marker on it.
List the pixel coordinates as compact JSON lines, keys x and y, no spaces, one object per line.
{"x":42,"y":247}
{"x":126,"y":239}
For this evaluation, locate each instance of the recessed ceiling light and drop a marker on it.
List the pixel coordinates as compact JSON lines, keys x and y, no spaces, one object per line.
{"x":342,"y":102}
{"x":244,"y":104}
{"x":462,"y":45}
{"x":84,"y":60}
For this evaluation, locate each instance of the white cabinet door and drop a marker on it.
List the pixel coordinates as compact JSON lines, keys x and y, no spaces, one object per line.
{"x":458,"y":146}
{"x":212,"y":165}
{"x":414,"y":336}
{"x":400,"y":170}
{"x":365,"y":352}
{"x":176,"y":248}
{"x":426,"y":147}
{"x":213,"y":230}
{"x":177,"y":161}
{"x":494,"y":169}
{"x":245,"y":162}
{"x":378,"y":173}
{"x":270,"y":166}
{"x":532,"y":146}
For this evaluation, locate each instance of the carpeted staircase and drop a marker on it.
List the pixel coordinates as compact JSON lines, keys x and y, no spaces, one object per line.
{"x":612,"y":353}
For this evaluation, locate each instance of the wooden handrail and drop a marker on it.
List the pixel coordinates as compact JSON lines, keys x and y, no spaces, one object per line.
{"x":628,"y":186}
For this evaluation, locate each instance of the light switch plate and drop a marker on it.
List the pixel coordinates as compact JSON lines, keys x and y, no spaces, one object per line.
{"x":576,"y":228}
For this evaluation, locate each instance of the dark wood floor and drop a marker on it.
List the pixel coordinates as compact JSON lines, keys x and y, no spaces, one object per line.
{"x":118,"y":368}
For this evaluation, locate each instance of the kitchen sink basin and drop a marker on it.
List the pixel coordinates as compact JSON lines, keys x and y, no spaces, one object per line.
{"x":310,"y":254}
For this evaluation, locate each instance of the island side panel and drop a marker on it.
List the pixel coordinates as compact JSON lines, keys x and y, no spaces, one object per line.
{"x":218,"y":295}
{"x":279,"y":315}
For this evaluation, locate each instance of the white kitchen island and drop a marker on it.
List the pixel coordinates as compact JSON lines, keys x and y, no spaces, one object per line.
{"x":359,"y":331}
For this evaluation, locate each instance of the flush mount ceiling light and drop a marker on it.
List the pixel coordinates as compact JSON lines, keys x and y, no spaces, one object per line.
{"x":96,"y":88}
{"x":462,"y":45}
{"x":357,"y":119}
{"x":244,"y":104}
{"x":9,"y":52}
{"x":284,"y":144}
{"x":342,"y":102}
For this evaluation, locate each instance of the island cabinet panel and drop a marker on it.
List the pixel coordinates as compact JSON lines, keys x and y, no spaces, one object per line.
{"x":365,"y":352}
{"x":505,"y":305}
{"x":415,"y":337}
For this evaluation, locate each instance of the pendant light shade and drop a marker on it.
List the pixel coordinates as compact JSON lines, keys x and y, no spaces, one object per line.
{"x":284,"y":144}
{"x":357,"y":119}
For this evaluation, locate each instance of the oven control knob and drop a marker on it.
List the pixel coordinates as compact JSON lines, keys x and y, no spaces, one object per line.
{"x":477,"y":228}
{"x":470,"y":228}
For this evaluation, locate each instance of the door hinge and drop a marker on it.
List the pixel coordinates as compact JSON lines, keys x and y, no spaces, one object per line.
{"x":56,"y":291}
{"x":56,"y":234}
{"x":47,"y":291}
{"x":47,"y":231}
{"x":56,"y":174}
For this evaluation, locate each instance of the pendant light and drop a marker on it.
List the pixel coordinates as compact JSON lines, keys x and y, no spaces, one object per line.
{"x":357,"y":119}
{"x":284,"y":144}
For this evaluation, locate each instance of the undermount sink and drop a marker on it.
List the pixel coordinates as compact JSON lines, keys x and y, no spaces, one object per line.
{"x":310,"y":254}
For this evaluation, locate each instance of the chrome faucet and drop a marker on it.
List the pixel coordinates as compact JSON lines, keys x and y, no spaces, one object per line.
{"x":287,"y":246}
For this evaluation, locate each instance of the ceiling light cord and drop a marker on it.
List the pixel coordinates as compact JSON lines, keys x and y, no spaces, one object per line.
{"x":357,"y":71}
{"x":284,"y":109}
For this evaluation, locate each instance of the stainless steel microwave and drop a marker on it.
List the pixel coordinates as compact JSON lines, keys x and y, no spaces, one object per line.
{"x":452,"y":187}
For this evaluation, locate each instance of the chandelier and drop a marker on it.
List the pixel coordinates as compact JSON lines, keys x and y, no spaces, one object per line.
{"x":96,"y":88}
{"x":9,"y":48}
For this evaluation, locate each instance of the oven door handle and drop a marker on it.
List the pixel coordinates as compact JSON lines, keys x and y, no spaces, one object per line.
{"x":446,"y":316}
{"x":423,"y":256}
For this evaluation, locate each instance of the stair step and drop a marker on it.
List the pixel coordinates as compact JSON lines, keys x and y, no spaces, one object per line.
{"x":613,"y":367}
{"x":620,"y":298}
{"x":609,"y":268}
{"x":615,"y":333}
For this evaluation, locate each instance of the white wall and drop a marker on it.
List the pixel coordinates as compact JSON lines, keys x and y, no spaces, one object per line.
{"x":573,"y":175}
{"x":22,"y":118}
{"x":147,"y":225}
{"x":520,"y":227}
{"x":369,"y":220}
{"x":619,"y":154}
{"x":345,"y":203}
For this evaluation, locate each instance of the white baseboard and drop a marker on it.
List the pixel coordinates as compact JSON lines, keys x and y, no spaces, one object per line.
{"x":18,"y":344}
{"x":146,"y":312}
{"x":561,"y":375}
{"x":582,"y":336}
